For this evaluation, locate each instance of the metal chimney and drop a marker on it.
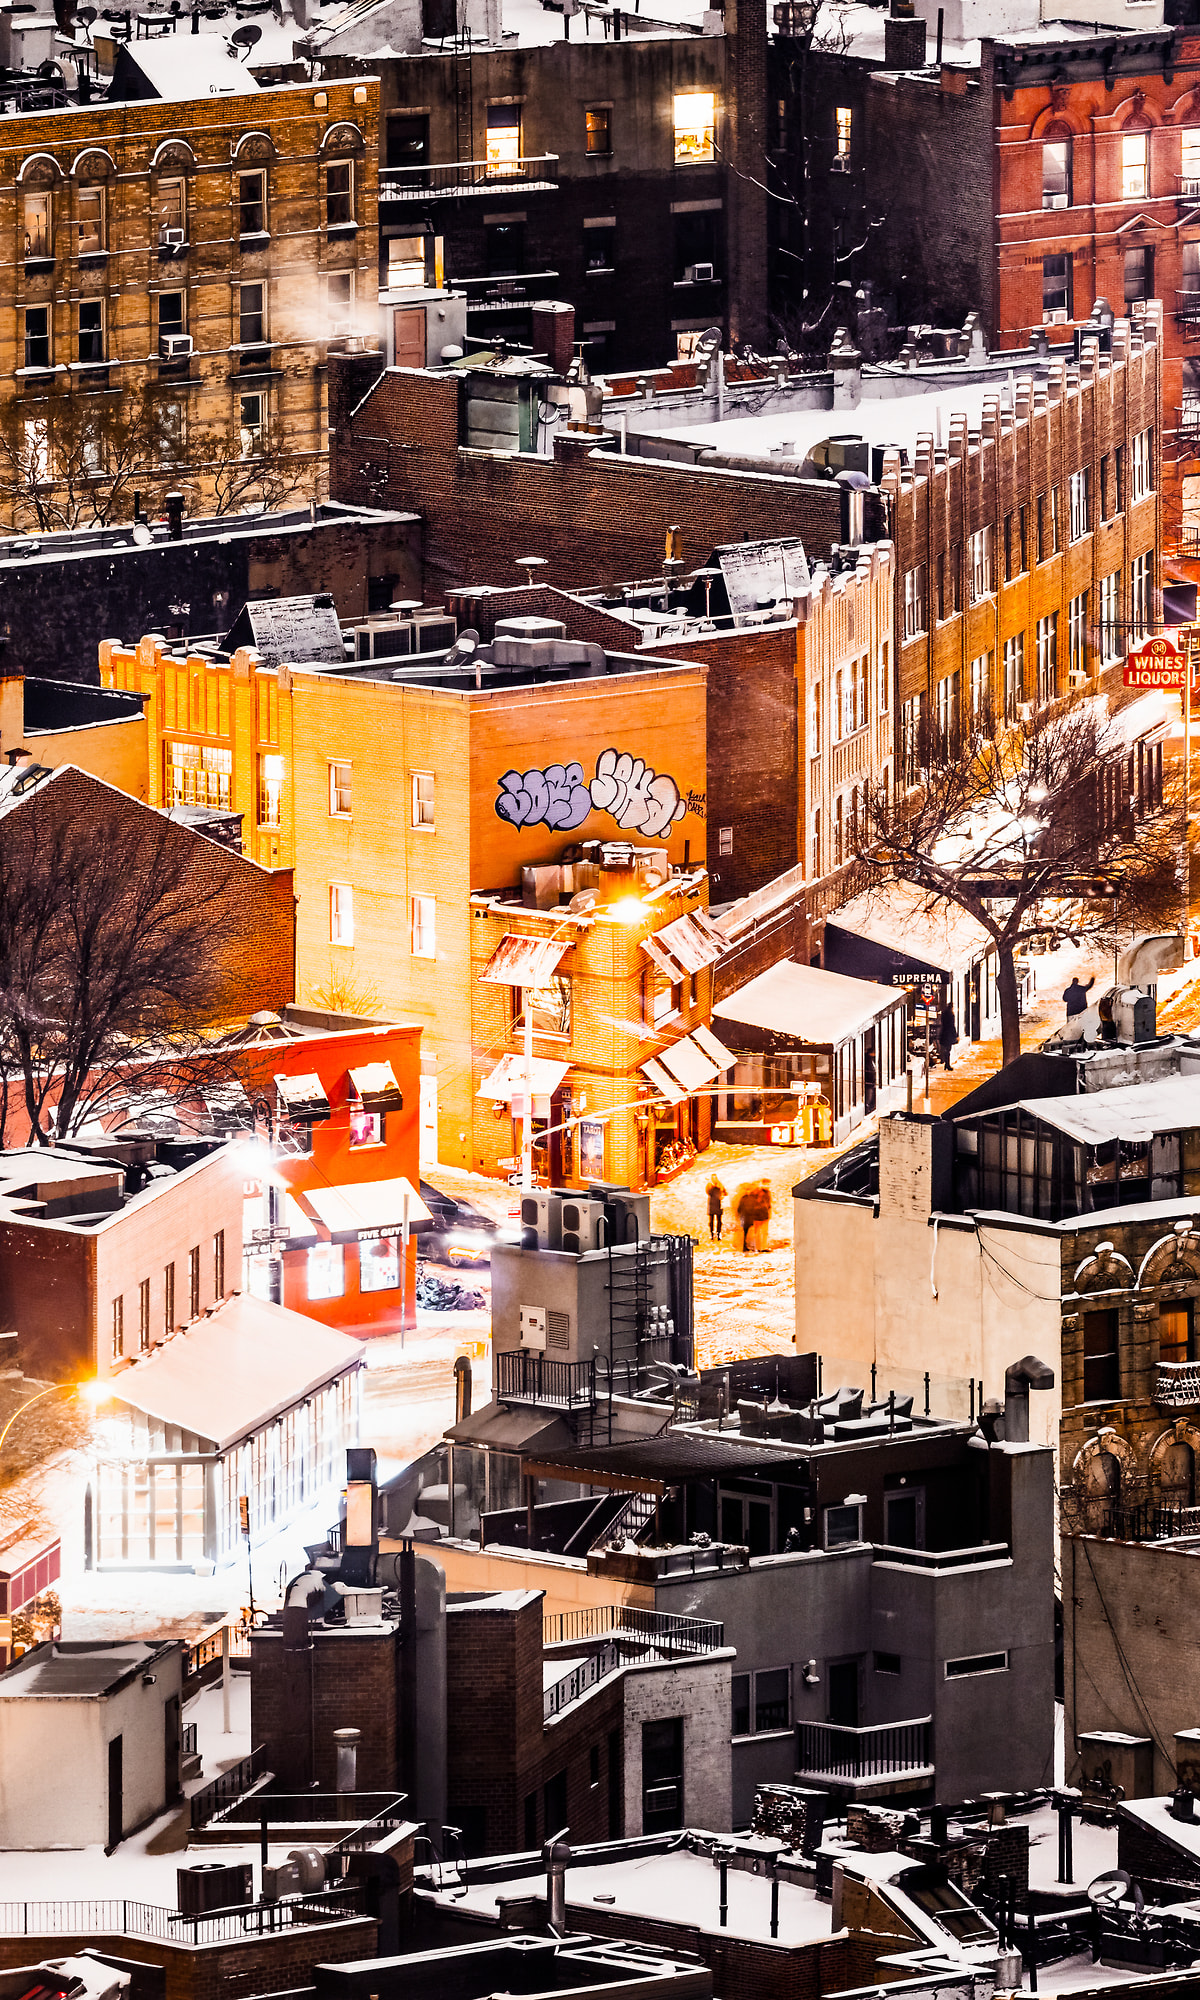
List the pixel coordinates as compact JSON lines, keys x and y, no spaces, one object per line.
{"x":347,"y":1741}
{"x":556,"y":1855}
{"x":1023,"y":1376}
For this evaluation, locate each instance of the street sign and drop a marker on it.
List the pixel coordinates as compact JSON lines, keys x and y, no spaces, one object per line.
{"x":1157,"y":664}
{"x":279,"y":1234}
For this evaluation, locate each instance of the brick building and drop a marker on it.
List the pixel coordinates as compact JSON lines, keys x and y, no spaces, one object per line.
{"x":124,"y":274}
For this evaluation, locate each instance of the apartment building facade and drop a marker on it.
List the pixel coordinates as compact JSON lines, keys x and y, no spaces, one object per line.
{"x":186,"y":261}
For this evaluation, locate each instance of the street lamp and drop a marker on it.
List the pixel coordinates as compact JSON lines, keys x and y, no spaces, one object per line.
{"x":91,"y":1388}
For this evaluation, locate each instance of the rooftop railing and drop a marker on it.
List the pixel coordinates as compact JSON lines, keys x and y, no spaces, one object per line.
{"x":123,"y":1916}
{"x":892,"y":1749}
{"x":627,"y":1634}
{"x":522,"y":1377}
{"x":459,"y":177}
{"x":1178,"y":1385}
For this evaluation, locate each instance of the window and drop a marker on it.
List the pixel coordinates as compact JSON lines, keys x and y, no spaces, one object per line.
{"x":194,"y":1281}
{"x":981,"y":564}
{"x":219,"y":1264}
{"x":504,"y":248}
{"x":252,"y":317}
{"x":696,"y":246}
{"x":1023,"y":535}
{"x":1141,"y":465}
{"x":1043,"y":527}
{"x":1119,"y":459}
{"x":1139,"y":275}
{"x":252,"y":202}
{"x":843,"y":1525}
{"x":169,"y":1299}
{"x":172,"y":317}
{"x":1110,"y":617}
{"x":1014,"y":675}
{"x":424,"y":927}
{"x":599,"y":248}
{"x":1101,"y":1356}
{"x":598,"y":126}
{"x":981,"y":688}
{"x":1010,"y":538}
{"x":914,"y":601}
{"x":1055,"y":520}
{"x":946,"y":712}
{"x":144,"y":1316}
{"x":341,"y":913}
{"x":695,"y":125}
{"x":1077,"y":661}
{"x":887,"y":1663}
{"x":1139,"y":599}
{"x":1134,"y":160}
{"x":885,"y":680}
{"x":1189,"y":160}
{"x":912,"y":750}
{"x":1056,"y":173}
{"x":339,"y":791}
{"x":379,"y":1265}
{"x":172,"y":213}
{"x":37,"y":336}
{"x":367,"y":1128}
{"x":39,"y":213}
{"x":1077,"y":505}
{"x":816,"y":841}
{"x":339,"y":194}
{"x":843,"y":124}
{"x":198,"y":776}
{"x":91,"y":330}
{"x":422,"y":800}
{"x":270,"y":790}
{"x":761,"y":1701}
{"x":408,"y":143}
{"x":1189,"y":280}
{"x":551,"y":1005}
{"x":118,"y":1328}
{"x":1047,"y":657}
{"x":1056,"y":287}
{"x":1105,"y":510}
{"x":977,"y":1663}
{"x":252,"y":423}
{"x":339,"y":301}
{"x":725,"y":840}
{"x":91,"y":221}
{"x":840,"y":727}
{"x":503,"y":139}
{"x":1175,"y":1332}
{"x":594,"y":1765}
{"x":326,"y":1271}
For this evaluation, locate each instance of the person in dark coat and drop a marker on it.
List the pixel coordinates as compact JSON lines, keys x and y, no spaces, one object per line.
{"x":716,"y":1204}
{"x":1075,"y":999}
{"x":754,"y":1214}
{"x":947,"y":1034}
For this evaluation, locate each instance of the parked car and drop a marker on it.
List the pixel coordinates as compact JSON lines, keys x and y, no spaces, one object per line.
{"x":458,"y":1233}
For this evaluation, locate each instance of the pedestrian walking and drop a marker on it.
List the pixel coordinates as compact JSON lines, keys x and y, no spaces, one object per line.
{"x":716,"y":1205}
{"x":1075,"y":999}
{"x":947,"y":1034}
{"x":754,"y":1215}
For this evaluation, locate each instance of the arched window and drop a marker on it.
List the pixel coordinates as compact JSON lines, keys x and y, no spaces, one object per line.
{"x":1056,"y":166}
{"x":1135,"y":160}
{"x":1177,"y":1475}
{"x":1189,"y":156}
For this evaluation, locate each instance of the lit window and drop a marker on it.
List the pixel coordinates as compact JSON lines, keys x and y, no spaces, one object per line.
{"x":169,"y":1298}
{"x":1077,"y":504}
{"x":1134,"y":154}
{"x":252,"y":423}
{"x":326,"y":1271}
{"x":39,"y":239}
{"x":981,"y":564}
{"x":598,"y":122}
{"x":843,"y":119}
{"x":339,"y":791}
{"x":424,"y":927}
{"x":981,"y":687}
{"x":37,"y":336}
{"x":1110,"y":617}
{"x":1139,"y":601}
{"x":1077,"y":639}
{"x":194,"y":1280}
{"x":118,"y":1328}
{"x":1014,"y":675}
{"x":379,"y":1265}
{"x":339,"y":194}
{"x":91,"y":330}
{"x":551,"y":1005}
{"x":1141,"y":471}
{"x":695,"y":125}
{"x":270,"y":790}
{"x":366,"y":1127}
{"x":252,"y":203}
{"x":503,"y":139}
{"x":1047,"y":657}
{"x":219,"y":1264}
{"x":198,"y":775}
{"x":1056,"y":173}
{"x":341,"y":913}
{"x":91,"y":221}
{"x":422,"y":800}
{"x":914,"y":601}
{"x":172,"y":213}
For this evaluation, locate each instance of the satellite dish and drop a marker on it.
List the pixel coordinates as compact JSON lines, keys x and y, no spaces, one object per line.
{"x":583,"y":903}
{"x":245,"y":38}
{"x":142,"y":535}
{"x":1109,"y":1889}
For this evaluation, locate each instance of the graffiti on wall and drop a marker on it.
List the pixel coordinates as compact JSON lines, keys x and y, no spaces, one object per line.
{"x":640,"y":799}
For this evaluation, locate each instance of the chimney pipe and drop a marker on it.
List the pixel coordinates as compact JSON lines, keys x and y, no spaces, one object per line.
{"x":175,"y":516}
{"x":556,"y":1855}
{"x":462,"y":1388}
{"x":1023,"y":1376}
{"x":347,"y":1741}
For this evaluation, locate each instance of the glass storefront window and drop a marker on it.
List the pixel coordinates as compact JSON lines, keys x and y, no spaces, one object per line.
{"x":379,"y":1265}
{"x":326,"y":1271}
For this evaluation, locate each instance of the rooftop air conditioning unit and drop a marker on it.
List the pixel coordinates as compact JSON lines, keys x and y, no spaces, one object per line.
{"x":700,"y":274}
{"x":175,"y":345}
{"x":541,"y":1220}
{"x":172,"y":239}
{"x":840,"y":164}
{"x":583,"y":1225}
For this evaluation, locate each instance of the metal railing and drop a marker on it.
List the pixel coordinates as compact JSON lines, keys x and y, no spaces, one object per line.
{"x":455,"y":177}
{"x":122,"y":1916}
{"x":982,"y":1552}
{"x":1187,"y":312}
{"x":1146,"y":1521}
{"x":833,"y":1750}
{"x":666,"y":1631}
{"x":189,"y":1743}
{"x":206,"y":1650}
{"x":215,"y":1800}
{"x":1178,"y":1385}
{"x":381,"y":1809}
{"x":534,"y":1378}
{"x":582,"y":1677}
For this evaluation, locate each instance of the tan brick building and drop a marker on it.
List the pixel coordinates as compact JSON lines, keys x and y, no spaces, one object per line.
{"x":206,"y":250}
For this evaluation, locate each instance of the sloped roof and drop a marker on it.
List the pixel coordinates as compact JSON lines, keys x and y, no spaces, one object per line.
{"x":807,"y":1004}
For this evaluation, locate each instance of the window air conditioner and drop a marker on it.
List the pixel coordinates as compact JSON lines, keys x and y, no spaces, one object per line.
{"x":342,"y":329}
{"x":1025,"y":709}
{"x":1057,"y":316}
{"x":699,"y":274}
{"x":1054,"y":201}
{"x":1077,"y":677}
{"x":175,"y":345}
{"x":173,"y":239}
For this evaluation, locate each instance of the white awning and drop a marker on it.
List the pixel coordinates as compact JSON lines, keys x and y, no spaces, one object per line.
{"x":524,"y":961}
{"x":665,"y":1085}
{"x":376,"y":1086}
{"x":304,"y":1096}
{"x":367,"y":1208}
{"x":688,"y":941}
{"x":808,"y":1005}
{"x":662,"y":958}
{"x":705,"y":1039}
{"x":508,"y":1078}
{"x":689,"y":1064}
{"x":302,"y":1230}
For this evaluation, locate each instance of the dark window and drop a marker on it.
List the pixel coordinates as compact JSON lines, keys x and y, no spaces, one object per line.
{"x":843,"y":1525}
{"x":170,"y":314}
{"x":169,"y":1299}
{"x":1101,"y":1357}
{"x":1056,"y":286}
{"x":740,"y":1686}
{"x":904,"y":1519}
{"x":504,"y":248}
{"x":599,"y":249}
{"x":771,"y":1699}
{"x":842,"y":1692}
{"x":696,"y":246}
{"x":887,"y":1663}
{"x":251,"y":315}
{"x":594,"y":1764}
{"x":599,"y":129}
{"x":91,"y":330}
{"x":1175,"y":1332}
{"x":339,"y":194}
{"x":531,"y":1819}
{"x":978,"y":1663}
{"x":1139,"y":275}
{"x":252,"y":203}
{"x":554,"y":1804}
{"x":662,"y":1775}
{"x":407,"y":140}
{"x":37,"y":336}
{"x":194,"y":1281}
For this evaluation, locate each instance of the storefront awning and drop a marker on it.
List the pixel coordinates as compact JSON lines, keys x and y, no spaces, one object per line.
{"x":808,"y":1006}
{"x":228,"y":1106}
{"x":692,"y":942}
{"x":376,"y":1087}
{"x":367,"y":1209}
{"x":302,"y":1230}
{"x":524,"y":961}
{"x":303,"y":1097}
{"x":508,"y":1078}
{"x":665,"y":1085}
{"x":688,"y":1063}
{"x":706,"y":1040}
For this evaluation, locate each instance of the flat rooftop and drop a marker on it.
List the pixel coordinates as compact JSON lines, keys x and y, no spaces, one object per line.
{"x":80,"y":544}
{"x":84,"y":1668}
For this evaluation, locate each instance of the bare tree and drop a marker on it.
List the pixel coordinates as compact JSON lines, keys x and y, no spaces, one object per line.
{"x":72,"y":460}
{"x":110,"y":933}
{"x":245,"y":469}
{"x":1028,"y":826}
